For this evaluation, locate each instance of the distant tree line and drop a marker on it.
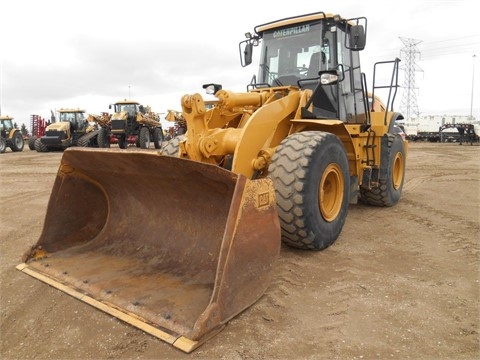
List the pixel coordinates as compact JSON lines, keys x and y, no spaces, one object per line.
{"x":23,"y":130}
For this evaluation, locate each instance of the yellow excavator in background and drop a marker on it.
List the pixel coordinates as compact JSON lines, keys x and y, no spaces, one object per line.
{"x":179,"y":243}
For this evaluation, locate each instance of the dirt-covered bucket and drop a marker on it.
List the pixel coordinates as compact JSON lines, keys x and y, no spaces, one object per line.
{"x":172,"y":246}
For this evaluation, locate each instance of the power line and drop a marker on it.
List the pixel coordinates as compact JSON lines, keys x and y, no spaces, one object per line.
{"x":431,"y":50}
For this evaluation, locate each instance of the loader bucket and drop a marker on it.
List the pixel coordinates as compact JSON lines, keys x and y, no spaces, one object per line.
{"x":172,"y":246}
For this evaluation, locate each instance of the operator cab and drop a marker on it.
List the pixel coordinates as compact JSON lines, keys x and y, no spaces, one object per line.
{"x":131,"y":108}
{"x":316,"y":52}
{"x":6,"y":125}
{"x":75,"y":118}
{"x":292,"y":54}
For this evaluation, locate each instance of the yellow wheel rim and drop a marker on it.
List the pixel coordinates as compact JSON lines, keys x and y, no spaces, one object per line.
{"x":397,"y":171}
{"x":331,"y":192}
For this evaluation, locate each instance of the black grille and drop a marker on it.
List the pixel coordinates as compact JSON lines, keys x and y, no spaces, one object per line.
{"x":118,"y":125}
{"x":53,"y":137}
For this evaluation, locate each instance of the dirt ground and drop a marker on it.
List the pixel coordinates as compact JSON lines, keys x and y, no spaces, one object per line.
{"x":399,"y":283}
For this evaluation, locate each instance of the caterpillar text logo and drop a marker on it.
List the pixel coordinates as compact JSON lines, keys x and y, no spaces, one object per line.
{"x":291,"y":31}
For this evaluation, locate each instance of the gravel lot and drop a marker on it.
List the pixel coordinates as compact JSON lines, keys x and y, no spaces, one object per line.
{"x":399,"y":283}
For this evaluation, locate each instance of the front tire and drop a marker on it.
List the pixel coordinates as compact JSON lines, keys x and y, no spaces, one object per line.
{"x":83,"y":141}
{"x":144,"y":138}
{"x":172,"y":147}
{"x":17,"y":142}
{"x":157,"y":138}
{"x":102,"y":138}
{"x":40,"y":147}
{"x":123,"y":141}
{"x":311,"y":178}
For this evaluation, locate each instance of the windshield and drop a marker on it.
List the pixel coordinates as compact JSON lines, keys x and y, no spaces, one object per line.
{"x":130,"y":108}
{"x":293,"y":53}
{"x":71,"y":116}
{"x":6,"y":125}
{"x":76,"y":119}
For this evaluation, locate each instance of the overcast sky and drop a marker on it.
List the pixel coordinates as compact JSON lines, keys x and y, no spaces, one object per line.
{"x":91,"y":53}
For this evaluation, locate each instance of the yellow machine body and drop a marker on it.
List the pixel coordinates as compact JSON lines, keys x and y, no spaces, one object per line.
{"x":178,"y":241}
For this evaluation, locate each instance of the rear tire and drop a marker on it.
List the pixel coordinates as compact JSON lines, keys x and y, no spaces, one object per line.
{"x":389,"y":188}
{"x":31,"y":142}
{"x":3,"y":145}
{"x":311,"y":177}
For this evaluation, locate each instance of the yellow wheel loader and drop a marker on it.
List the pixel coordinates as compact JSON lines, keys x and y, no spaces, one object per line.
{"x":281,"y":161}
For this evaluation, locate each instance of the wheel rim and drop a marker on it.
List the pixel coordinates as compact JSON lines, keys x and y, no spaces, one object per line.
{"x":331,"y":192}
{"x":397,"y":171}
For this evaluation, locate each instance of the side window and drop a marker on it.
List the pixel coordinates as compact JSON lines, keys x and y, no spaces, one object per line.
{"x":273,"y":66}
{"x":352,"y":107}
{"x":81,"y":119}
{"x":327,"y":52}
{"x":323,"y":54}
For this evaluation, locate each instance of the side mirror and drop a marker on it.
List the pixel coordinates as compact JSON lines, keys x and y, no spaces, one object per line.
{"x":356,"y":37}
{"x":246,"y":52}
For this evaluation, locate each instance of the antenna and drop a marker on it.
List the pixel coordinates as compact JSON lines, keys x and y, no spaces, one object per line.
{"x":473,"y":82}
{"x":129,"y":95}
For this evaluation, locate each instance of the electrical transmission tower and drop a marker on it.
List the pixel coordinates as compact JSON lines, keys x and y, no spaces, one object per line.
{"x":408,"y":55}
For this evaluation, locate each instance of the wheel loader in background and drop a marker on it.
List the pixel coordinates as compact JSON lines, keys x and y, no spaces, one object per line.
{"x":71,"y":129}
{"x":281,"y":161}
{"x":180,"y":125}
{"x":133,"y":123}
{"x":9,"y":135}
